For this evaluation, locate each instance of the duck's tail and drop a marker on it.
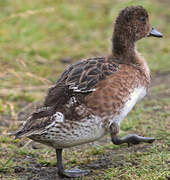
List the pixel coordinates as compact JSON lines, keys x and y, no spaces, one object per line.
{"x":33,"y":124}
{"x":23,"y":133}
{"x":19,"y":133}
{"x":16,"y":134}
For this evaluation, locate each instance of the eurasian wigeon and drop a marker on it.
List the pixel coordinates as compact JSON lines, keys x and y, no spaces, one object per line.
{"x":94,"y":95}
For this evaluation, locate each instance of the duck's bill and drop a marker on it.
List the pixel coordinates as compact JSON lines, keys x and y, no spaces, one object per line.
{"x":155,"y":33}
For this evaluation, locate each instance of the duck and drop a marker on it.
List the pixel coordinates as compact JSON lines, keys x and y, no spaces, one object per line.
{"x":92,"y":96}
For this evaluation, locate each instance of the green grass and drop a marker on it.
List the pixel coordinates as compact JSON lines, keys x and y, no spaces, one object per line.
{"x":34,"y":36}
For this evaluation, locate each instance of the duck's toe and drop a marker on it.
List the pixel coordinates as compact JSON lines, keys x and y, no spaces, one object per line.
{"x":148,"y":139}
{"x":133,"y":139}
{"x":74,"y":173}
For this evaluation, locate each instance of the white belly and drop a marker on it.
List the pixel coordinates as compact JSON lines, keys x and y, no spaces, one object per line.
{"x":84,"y":131}
{"x":134,"y":97}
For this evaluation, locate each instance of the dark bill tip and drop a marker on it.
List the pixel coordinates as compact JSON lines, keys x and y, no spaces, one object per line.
{"x":155,"y":33}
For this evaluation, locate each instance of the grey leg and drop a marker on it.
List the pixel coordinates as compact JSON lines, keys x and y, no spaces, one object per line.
{"x":68,"y":173}
{"x":130,"y":138}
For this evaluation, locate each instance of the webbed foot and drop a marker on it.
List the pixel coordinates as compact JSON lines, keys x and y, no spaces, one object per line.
{"x":131,"y":139}
{"x":74,"y":173}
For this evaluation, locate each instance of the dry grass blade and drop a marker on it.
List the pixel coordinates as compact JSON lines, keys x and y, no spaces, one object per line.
{"x":29,"y":13}
{"x":16,"y":90}
{"x":2,"y":75}
{"x":14,"y":73}
{"x":43,"y":80}
{"x":12,"y":109}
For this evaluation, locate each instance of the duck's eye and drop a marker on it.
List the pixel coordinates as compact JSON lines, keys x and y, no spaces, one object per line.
{"x":142,"y":19}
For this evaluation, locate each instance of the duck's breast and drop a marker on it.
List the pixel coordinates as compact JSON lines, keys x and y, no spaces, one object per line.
{"x":137,"y":94}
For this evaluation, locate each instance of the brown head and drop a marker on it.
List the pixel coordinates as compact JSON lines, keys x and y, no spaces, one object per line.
{"x":131,"y":25}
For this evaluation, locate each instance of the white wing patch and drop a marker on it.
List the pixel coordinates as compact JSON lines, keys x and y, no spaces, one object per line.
{"x":76,"y":89}
{"x":59,"y":117}
{"x":83,"y":91}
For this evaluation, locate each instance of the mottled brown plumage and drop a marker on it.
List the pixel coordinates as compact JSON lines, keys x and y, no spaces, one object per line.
{"x":112,"y":94}
{"x":94,"y":95}
{"x":80,"y":77}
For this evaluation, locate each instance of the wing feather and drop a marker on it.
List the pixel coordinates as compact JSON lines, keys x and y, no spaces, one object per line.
{"x":80,"y":77}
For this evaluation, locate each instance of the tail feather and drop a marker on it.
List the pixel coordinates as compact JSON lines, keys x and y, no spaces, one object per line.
{"x":18,"y":134}
{"x":35,"y":123}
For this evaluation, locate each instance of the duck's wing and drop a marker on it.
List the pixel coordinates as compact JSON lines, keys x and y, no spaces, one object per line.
{"x":83,"y":78}
{"x":80,"y":77}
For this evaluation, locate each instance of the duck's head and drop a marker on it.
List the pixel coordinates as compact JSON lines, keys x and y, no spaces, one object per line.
{"x":133,"y":24}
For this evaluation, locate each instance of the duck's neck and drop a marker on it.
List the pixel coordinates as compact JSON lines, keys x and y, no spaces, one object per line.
{"x":124,"y":50}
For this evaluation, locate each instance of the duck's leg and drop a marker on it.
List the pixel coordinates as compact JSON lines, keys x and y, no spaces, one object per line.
{"x":130,"y":138}
{"x":68,"y":173}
